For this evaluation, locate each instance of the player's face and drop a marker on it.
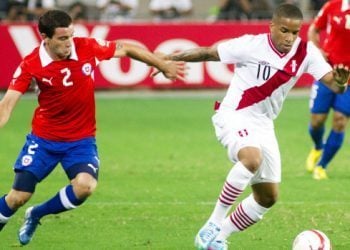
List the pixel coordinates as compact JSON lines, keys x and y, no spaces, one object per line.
{"x":59,"y":46}
{"x":284,"y":32}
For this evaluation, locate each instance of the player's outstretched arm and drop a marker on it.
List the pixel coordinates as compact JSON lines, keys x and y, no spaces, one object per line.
{"x":7,"y":104}
{"x":170,"y":69}
{"x":196,"y":55}
{"x":338,"y":79}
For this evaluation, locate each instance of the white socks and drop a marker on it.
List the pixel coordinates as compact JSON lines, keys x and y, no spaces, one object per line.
{"x":247,"y":213}
{"x":236,"y":181}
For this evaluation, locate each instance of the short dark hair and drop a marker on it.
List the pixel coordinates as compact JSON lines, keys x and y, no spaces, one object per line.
{"x":53,"y":19}
{"x":287,"y":11}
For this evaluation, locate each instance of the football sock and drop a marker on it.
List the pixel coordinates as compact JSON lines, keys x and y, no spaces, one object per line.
{"x":236,"y":181}
{"x":5,"y":212}
{"x":333,"y":143}
{"x":247,"y":213}
{"x":64,"y":200}
{"x":317,"y":136}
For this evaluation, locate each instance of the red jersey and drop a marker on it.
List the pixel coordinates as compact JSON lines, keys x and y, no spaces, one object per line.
{"x":66,"y":110}
{"x":334,"y":17}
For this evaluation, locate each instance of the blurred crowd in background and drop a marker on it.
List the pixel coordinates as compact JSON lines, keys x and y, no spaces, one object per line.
{"x":117,"y":11}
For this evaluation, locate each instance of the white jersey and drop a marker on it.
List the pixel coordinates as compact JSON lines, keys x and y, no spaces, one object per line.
{"x":263,"y":76}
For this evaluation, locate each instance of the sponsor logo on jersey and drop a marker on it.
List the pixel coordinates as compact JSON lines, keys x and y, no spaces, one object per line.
{"x":264,"y":63}
{"x":27,"y":160}
{"x":49,"y":81}
{"x":87,"y":68}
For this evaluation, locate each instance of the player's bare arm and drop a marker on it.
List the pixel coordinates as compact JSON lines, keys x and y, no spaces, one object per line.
{"x":7,"y":104}
{"x":171,"y":70}
{"x":196,"y":55}
{"x":337,"y":79}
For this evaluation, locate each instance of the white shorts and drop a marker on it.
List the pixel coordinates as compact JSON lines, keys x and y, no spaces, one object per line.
{"x":235,"y":132}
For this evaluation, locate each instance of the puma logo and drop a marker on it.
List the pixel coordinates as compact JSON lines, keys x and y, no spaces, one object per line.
{"x":93,"y":167}
{"x":47,"y":80}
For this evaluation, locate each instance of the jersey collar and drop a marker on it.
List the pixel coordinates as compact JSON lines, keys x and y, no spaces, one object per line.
{"x":46,"y":59}
{"x":280,"y":54}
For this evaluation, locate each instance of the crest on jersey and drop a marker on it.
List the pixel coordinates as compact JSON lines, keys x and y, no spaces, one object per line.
{"x":27,"y":160}
{"x":86,"y":69}
{"x":293,"y":65}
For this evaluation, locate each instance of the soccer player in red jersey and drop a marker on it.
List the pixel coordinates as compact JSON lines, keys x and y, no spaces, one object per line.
{"x":267,"y":66}
{"x":334,"y":18}
{"x":63,"y":125}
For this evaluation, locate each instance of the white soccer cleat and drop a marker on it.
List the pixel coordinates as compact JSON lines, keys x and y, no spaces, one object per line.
{"x":206,"y":235}
{"x":218,"y":245}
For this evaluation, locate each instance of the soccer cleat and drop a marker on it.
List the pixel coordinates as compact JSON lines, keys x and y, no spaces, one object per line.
{"x":218,"y":245}
{"x":26,"y":232}
{"x":320,"y":173}
{"x":206,"y":235}
{"x":312,"y":159}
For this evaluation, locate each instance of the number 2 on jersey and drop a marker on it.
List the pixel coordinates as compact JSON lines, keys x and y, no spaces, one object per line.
{"x":67,"y":74}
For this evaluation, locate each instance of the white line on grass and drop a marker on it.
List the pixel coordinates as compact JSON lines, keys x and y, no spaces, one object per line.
{"x":206,"y":203}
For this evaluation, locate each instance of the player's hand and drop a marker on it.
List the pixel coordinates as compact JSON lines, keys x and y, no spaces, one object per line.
{"x":174,"y":70}
{"x":341,"y":74}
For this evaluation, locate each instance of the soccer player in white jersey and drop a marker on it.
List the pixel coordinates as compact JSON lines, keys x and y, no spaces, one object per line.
{"x":266,"y":68}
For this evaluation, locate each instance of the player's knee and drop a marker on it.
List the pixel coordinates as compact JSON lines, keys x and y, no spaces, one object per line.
{"x":268,"y":200}
{"x":339,"y":122}
{"x":17,"y":199}
{"x":251,"y":158}
{"x":318,"y":121}
{"x":84,"y":185}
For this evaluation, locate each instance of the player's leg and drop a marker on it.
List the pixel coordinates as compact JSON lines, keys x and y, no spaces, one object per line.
{"x":247,"y":160}
{"x":321,"y":100}
{"x":250,"y":211}
{"x":29,"y":170}
{"x":34,"y":163}
{"x":70,"y":196}
{"x":22,"y":190}
{"x":265,"y":191}
{"x":236,"y":182}
{"x":80,"y":163}
{"x":336,"y":136}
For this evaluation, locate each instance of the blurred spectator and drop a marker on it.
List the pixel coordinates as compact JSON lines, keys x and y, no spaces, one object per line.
{"x":170,"y":9}
{"x":234,"y":10}
{"x":16,"y":11}
{"x":36,"y":8}
{"x":316,"y":5}
{"x":117,"y":10}
{"x":78,"y":11}
{"x":3,"y":9}
{"x":245,"y":9}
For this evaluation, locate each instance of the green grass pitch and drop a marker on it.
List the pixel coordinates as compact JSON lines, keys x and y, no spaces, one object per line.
{"x":161,"y":173}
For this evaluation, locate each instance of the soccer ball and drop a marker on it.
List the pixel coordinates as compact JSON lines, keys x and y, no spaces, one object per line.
{"x":312,"y":240}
